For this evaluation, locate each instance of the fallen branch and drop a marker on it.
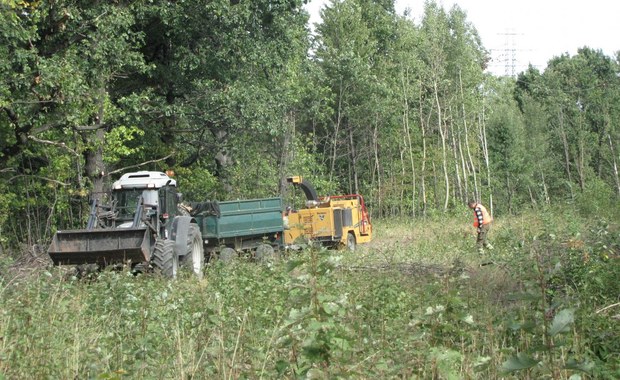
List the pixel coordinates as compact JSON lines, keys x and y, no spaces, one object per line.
{"x":607,"y":307}
{"x":140,"y":164}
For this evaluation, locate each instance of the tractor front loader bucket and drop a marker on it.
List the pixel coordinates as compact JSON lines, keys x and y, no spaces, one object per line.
{"x":100,"y":246}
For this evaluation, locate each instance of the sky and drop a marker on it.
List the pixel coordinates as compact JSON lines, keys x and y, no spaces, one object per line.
{"x":522,"y":32}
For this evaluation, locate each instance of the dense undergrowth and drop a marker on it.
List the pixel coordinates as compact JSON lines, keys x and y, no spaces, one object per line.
{"x":414,"y":303}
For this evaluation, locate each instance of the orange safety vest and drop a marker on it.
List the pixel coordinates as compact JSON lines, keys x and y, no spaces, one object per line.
{"x":481,"y":215}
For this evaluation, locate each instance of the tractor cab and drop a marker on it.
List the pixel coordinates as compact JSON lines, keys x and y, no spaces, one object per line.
{"x":146,"y":194}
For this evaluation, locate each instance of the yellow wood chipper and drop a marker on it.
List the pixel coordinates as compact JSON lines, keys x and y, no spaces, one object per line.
{"x":334,"y":221}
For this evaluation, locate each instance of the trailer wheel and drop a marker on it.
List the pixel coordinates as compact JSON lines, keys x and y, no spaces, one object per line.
{"x":351,"y":243}
{"x":194,"y":258}
{"x":265,"y":252}
{"x":228,"y":254}
{"x":164,"y":259}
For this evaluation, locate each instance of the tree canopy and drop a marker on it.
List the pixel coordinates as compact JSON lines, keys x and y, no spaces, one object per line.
{"x":234,"y":96}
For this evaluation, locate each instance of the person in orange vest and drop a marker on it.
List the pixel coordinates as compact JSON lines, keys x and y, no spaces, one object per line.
{"x":482,"y":222}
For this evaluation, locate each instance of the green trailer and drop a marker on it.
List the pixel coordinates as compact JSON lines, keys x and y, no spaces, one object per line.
{"x":250,"y":227}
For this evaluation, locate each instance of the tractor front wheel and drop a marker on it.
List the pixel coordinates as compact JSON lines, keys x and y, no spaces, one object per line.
{"x":164,"y":259}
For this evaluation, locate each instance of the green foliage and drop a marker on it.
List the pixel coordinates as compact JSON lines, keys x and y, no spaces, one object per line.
{"x":117,"y":141}
{"x":231,"y":95}
{"x":598,"y":199}
{"x":508,"y":144}
{"x":542,"y":310}
{"x":228,"y":96}
{"x":197,"y":185}
{"x":560,"y":279}
{"x":316,"y":325}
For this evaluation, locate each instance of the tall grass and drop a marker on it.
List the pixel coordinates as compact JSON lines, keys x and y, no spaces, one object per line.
{"x":414,"y":303}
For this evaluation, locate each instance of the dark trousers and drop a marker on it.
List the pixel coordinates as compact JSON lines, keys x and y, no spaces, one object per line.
{"x":481,"y":240}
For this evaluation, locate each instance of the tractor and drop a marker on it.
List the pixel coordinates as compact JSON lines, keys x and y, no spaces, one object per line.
{"x":141,"y":226}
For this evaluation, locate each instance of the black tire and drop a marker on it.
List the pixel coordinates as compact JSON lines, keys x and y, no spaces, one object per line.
{"x":165,"y":260}
{"x":194,"y":258}
{"x":227,"y":255}
{"x":87,"y":271}
{"x":140,"y":268}
{"x":265,"y":252}
{"x":351,"y":242}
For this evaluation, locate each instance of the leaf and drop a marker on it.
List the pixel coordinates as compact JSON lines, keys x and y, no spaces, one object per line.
{"x":448,"y":361}
{"x":469,"y":319}
{"x":482,"y":363}
{"x":527,"y":326}
{"x":282,"y":366}
{"x":585,"y":366}
{"x":519,"y":362}
{"x":292,"y":264}
{"x":562,"y":321}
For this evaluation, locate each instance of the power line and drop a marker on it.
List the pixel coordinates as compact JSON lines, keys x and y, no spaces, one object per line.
{"x":506,"y":58}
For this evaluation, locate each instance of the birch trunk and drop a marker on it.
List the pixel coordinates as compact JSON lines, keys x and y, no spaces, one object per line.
{"x":566,"y":151}
{"x":336,"y":132}
{"x":444,"y":154}
{"x":485,"y":152}
{"x":409,"y":145}
{"x":353,"y":156}
{"x":614,"y":163}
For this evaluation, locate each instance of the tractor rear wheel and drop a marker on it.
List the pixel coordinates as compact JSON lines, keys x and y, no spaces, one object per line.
{"x":194,"y":258}
{"x":164,"y":259}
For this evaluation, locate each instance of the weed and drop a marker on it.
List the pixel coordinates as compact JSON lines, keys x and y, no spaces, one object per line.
{"x":411,"y":304}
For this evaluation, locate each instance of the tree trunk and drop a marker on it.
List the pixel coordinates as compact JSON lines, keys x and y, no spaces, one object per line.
{"x":409,"y":145}
{"x":472,"y":167}
{"x":566,"y":151}
{"x":403,"y":175}
{"x":336,"y":132}
{"x":286,"y":154}
{"x":423,"y":165}
{"x":614,"y":164}
{"x":458,"y":188}
{"x":485,"y":151}
{"x":353,"y":161}
{"x":435,"y":184}
{"x":509,"y":193}
{"x":93,"y":156}
{"x":544,"y":183}
{"x":465,"y":192}
{"x":444,"y":153}
{"x":580,"y":156}
{"x":378,"y":194}
{"x":223,"y":160}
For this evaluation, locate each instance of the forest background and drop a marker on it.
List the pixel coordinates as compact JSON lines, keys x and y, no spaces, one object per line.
{"x":236,"y":95}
